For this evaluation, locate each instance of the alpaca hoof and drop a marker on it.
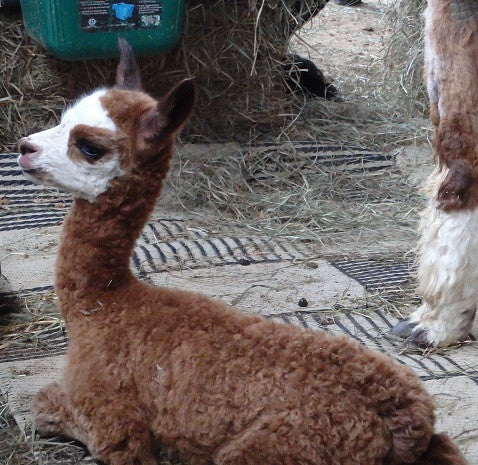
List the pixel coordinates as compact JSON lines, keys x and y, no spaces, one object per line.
{"x":419,"y":338}
{"x":438,"y":332}
{"x":403,"y":328}
{"x":414,"y":336}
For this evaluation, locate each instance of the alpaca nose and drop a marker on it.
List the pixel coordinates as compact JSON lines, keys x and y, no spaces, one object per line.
{"x":27,"y":148}
{"x":28,"y":152}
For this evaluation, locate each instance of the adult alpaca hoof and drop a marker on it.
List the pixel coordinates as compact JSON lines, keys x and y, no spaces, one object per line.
{"x":420,"y":337}
{"x":348,"y":2}
{"x":419,"y":331}
{"x":403,"y":328}
{"x":411,"y":333}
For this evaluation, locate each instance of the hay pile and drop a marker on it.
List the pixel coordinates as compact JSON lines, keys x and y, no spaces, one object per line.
{"x":234,"y":48}
{"x":285,"y":193}
{"x":404,"y":57}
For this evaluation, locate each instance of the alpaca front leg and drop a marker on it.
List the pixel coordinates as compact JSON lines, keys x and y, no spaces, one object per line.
{"x":128,"y":450}
{"x":53,"y":416}
{"x":118,"y":434}
{"x":114,"y":434}
{"x":448,"y":278}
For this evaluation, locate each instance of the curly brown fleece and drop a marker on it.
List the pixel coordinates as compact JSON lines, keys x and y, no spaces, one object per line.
{"x":149,"y":365}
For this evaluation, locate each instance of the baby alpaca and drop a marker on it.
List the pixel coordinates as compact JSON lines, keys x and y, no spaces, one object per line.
{"x":151,"y":366}
{"x":448,"y":246}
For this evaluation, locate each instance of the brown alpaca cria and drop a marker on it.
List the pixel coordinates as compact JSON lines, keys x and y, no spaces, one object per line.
{"x":151,"y":366}
{"x":451,"y":58}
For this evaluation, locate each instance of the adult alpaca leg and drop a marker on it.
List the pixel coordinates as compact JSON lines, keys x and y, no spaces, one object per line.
{"x":447,"y":275}
{"x":304,"y":10}
{"x":448,"y":248}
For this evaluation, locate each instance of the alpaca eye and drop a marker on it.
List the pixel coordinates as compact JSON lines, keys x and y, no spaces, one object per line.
{"x":90,"y":149}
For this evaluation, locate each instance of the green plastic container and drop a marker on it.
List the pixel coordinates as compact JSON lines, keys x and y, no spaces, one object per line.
{"x":83,"y":29}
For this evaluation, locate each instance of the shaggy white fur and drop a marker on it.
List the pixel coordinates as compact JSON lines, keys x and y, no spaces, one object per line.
{"x":448,"y":270}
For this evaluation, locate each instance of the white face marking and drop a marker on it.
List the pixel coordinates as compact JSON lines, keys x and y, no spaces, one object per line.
{"x":82,"y":179}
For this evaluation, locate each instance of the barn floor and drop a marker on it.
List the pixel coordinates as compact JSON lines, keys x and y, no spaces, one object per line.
{"x":352,"y":259}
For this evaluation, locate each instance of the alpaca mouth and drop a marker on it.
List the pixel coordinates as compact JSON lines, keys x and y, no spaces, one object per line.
{"x":35,"y":174}
{"x":30,"y":171}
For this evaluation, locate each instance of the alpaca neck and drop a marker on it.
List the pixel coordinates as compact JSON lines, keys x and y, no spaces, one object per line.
{"x":98,"y":238}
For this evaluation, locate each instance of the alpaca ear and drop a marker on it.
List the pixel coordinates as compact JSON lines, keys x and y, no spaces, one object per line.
{"x":127,"y":73}
{"x":170,"y":114}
